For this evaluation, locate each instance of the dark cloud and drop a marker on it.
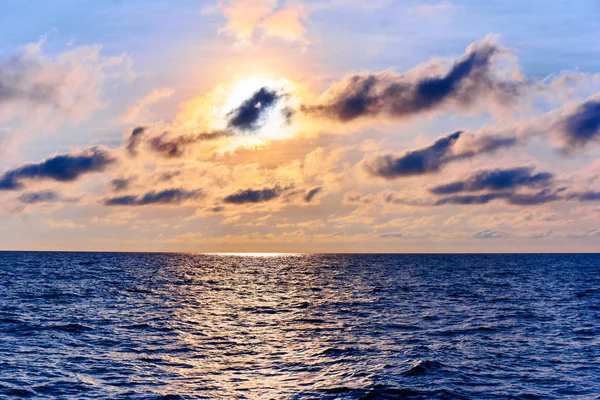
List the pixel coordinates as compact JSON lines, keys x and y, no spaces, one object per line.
{"x":134,"y":140}
{"x":497,"y":179}
{"x":311,"y":194}
{"x":532,"y":199}
{"x":585,"y":196}
{"x":253,"y":196}
{"x":471,"y":199}
{"x":168,"y":196}
{"x":44,"y":196}
{"x":520,"y":199}
{"x":400,"y":95}
{"x":432,"y":158}
{"x":583,"y":126}
{"x":170,"y":146}
{"x":120,"y":184}
{"x":248,"y":115}
{"x":62,"y":168}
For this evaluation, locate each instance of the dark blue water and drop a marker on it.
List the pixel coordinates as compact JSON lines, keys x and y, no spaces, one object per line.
{"x":180,"y":326}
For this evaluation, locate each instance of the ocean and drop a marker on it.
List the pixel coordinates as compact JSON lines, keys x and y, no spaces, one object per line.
{"x":194,"y":326}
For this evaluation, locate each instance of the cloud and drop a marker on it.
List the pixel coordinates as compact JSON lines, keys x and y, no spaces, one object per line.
{"x":571,"y":128}
{"x":391,"y":235}
{"x":311,"y":194}
{"x":583,"y":125}
{"x":163,"y":197}
{"x":253,"y":196}
{"x":269,"y":17}
{"x":586,"y":196}
{"x":471,"y":81}
{"x":167,"y":144}
{"x":134,"y":140}
{"x":52,"y":90}
{"x":520,"y":199}
{"x":584,"y":234}
{"x":133,"y":113}
{"x":45,"y":196}
{"x":532,"y":199}
{"x":247,"y":116}
{"x":542,"y":235}
{"x":497,"y":179}
{"x":120,"y":184}
{"x":490,"y":234}
{"x":62,"y":168}
{"x":432,"y":158}
{"x":286,"y":23}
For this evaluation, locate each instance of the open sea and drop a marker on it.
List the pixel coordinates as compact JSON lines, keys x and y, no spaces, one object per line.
{"x":186,"y":326}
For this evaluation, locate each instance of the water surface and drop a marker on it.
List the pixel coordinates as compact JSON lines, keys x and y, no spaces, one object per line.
{"x":182,"y":326}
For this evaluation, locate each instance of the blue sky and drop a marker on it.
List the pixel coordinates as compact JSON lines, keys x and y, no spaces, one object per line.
{"x":181,"y":70}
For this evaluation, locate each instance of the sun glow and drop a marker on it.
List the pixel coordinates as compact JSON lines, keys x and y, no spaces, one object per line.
{"x":274,"y":124}
{"x":213,"y":112}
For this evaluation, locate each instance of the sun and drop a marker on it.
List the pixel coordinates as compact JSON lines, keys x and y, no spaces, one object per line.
{"x":275,"y":122}
{"x":212,"y":112}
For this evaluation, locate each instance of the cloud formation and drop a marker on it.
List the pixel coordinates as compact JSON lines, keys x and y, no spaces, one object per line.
{"x":271,"y":18}
{"x":166,"y":144}
{"x":66,"y":87}
{"x":44,"y":196}
{"x":133,"y":113}
{"x":312,"y":193}
{"x":253,"y":195}
{"x":169,"y":146}
{"x":134,"y":140}
{"x":432,"y":158}
{"x":120,"y":184}
{"x":62,"y":168}
{"x":586,"y":196}
{"x":518,"y":199}
{"x":487,"y":234}
{"x":583,"y":125}
{"x":163,"y":197}
{"x":471,"y":81}
{"x":247,"y":116}
{"x":497,"y":179}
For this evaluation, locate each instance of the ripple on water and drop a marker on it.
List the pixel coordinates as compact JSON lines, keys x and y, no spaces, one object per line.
{"x":184,"y":326}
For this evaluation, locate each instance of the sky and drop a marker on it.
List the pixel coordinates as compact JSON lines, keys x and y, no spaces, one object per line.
{"x":300,"y":126}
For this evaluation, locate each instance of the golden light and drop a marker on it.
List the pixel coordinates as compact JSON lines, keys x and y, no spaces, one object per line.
{"x":212,"y":112}
{"x":256,"y":254}
{"x":274,"y":124}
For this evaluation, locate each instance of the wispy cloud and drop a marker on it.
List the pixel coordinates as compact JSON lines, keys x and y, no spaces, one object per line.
{"x":135,"y":113}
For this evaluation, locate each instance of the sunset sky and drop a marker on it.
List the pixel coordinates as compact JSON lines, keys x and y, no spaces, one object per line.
{"x":300,"y":126}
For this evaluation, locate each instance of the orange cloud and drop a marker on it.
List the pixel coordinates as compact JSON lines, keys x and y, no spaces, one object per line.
{"x":272,"y":18}
{"x":286,"y":23}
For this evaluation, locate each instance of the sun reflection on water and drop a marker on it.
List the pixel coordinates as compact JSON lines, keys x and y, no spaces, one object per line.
{"x":256,"y":254}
